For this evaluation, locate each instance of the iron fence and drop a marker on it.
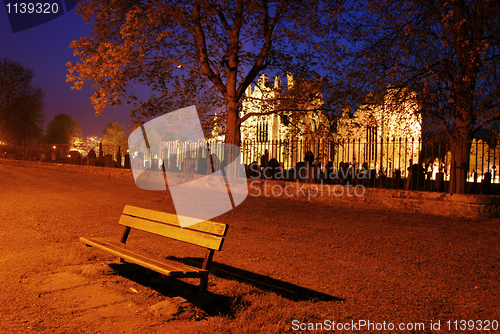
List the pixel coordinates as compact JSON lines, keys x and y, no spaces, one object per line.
{"x":400,"y":163}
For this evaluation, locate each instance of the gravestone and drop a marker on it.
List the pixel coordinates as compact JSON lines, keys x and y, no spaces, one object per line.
{"x":126,"y":164}
{"x":253,"y":171}
{"x":154,"y":164}
{"x":305,"y":172}
{"x":108,"y":161}
{"x":486,"y":184}
{"x":329,"y":175}
{"x":189,"y":165}
{"x":343,"y":172}
{"x":216,"y":164}
{"x":91,"y":158}
{"x":439,"y":182}
{"x":202,"y":166}
{"x":309,"y":158}
{"x":397,"y":177}
{"x":75,"y":158}
{"x":119,"y":158}
{"x":264,"y":160}
{"x":273,"y":170}
{"x":172,"y":163}
{"x":137,"y":162}
{"x":416,"y":177}
{"x":100,"y":162}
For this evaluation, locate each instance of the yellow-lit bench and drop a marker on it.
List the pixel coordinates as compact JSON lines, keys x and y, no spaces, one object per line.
{"x":207,"y":234}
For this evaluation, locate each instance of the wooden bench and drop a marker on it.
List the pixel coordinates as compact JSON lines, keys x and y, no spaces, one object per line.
{"x":207,"y":234}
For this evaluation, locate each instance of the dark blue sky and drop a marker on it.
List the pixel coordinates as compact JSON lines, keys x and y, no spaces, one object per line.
{"x":45,"y":49}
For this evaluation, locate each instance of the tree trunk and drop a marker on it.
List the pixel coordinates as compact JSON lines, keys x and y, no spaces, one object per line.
{"x":460,"y":151}
{"x":232,"y":126}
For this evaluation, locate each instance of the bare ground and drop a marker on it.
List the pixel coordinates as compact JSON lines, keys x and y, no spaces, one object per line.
{"x":344,"y":264}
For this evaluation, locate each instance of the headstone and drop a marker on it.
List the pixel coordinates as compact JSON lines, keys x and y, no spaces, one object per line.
{"x":108,"y":161}
{"x":91,"y":158}
{"x":486,"y":184}
{"x":189,"y":165}
{"x":100,"y":161}
{"x":155,"y":164}
{"x":137,"y":162}
{"x":119,"y":158}
{"x":309,"y":158}
{"x":75,"y":158}
{"x":372,"y":176}
{"x":264,"y":159}
{"x":215,"y":163}
{"x":172,"y":163}
{"x":439,"y":181}
{"x":202,"y":166}
{"x":253,"y":171}
{"x":273,"y":170}
{"x":329,"y":175}
{"x":397,"y":178}
{"x":343,"y":172}
{"x":127,"y":161}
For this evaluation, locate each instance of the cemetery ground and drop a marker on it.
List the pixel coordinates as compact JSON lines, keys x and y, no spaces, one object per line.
{"x":283,"y":260}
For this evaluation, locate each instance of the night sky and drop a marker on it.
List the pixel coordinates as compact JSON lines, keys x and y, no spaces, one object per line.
{"x":45,"y":49}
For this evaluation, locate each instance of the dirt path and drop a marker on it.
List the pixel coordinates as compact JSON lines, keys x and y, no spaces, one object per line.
{"x":386,"y":266}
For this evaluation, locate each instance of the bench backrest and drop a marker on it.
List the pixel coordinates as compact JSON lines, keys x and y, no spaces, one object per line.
{"x":205,"y":234}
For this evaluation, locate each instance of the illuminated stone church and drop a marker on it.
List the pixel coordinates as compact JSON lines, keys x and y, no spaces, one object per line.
{"x":383,"y":133}
{"x":268,"y":95}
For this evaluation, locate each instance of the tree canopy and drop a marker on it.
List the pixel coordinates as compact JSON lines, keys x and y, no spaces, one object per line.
{"x":113,"y":136}
{"x":63,"y":129}
{"x":21,"y":105}
{"x":201,"y":52}
{"x":445,"y":51}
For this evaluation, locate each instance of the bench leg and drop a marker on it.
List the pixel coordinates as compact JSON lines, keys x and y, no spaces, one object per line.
{"x":203,"y":284}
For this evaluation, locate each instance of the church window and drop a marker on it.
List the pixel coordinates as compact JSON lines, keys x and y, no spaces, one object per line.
{"x":371,"y":142}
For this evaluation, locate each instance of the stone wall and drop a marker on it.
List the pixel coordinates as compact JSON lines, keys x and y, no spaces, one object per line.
{"x":103,"y":171}
{"x":436,"y":203}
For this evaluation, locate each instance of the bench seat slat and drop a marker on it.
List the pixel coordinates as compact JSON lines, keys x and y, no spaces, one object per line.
{"x":194,"y":237}
{"x":171,"y":219}
{"x":163,"y":266}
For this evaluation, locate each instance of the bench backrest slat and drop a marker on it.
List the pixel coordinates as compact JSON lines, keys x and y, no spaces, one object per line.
{"x":171,"y":219}
{"x":164,"y":224}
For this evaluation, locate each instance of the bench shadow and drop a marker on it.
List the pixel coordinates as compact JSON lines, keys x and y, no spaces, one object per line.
{"x":214,"y":304}
{"x":265,"y":283}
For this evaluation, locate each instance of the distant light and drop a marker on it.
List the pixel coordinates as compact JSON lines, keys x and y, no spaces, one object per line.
{"x":53,"y":147}
{"x":179,"y":66}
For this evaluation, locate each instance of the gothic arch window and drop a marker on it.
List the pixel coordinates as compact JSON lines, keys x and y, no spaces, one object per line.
{"x":262,"y":132}
{"x":314,"y":120}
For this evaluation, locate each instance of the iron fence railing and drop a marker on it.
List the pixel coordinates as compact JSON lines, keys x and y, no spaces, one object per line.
{"x":401,"y":163}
